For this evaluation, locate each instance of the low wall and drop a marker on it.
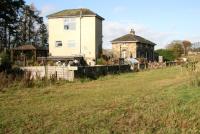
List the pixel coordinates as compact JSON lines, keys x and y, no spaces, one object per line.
{"x":156,"y":65}
{"x":66,"y":73}
{"x":95,"y":71}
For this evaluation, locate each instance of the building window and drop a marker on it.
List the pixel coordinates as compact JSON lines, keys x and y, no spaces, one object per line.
{"x":70,"y":24}
{"x":58,"y":43}
{"x":124,"y":54}
{"x":71,"y":44}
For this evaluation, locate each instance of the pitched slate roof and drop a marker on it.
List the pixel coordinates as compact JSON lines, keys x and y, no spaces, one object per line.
{"x":74,"y":12}
{"x":132,"y":38}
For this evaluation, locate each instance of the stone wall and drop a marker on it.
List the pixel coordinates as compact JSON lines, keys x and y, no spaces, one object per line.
{"x":66,"y":73}
{"x":130,"y":49}
{"x":133,"y":50}
{"x":156,"y":65}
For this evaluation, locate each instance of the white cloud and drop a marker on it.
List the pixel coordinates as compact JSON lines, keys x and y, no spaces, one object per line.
{"x":113,"y":29}
{"x":47,"y":9}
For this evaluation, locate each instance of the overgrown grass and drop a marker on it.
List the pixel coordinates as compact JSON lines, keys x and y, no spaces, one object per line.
{"x":157,"y":101}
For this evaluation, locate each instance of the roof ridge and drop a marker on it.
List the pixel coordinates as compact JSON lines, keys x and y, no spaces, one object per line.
{"x":74,"y":12}
{"x":133,"y":38}
{"x":145,"y":39}
{"x":122,"y":37}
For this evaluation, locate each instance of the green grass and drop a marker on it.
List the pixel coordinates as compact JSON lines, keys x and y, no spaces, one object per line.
{"x":157,"y":101}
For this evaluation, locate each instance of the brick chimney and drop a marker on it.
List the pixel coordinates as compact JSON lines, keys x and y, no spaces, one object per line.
{"x":132,"y":32}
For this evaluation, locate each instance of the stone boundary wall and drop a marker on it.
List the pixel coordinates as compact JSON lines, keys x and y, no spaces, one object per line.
{"x":156,"y":65}
{"x":66,"y":73}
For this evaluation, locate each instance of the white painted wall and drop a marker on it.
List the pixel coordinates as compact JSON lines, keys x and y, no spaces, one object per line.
{"x":90,"y":41}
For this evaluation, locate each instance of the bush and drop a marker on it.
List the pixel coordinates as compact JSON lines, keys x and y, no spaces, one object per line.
{"x":5,"y":80}
{"x":168,"y":55}
{"x":101,"y":61}
{"x":5,"y":63}
{"x":10,"y":76}
{"x":177,"y":48}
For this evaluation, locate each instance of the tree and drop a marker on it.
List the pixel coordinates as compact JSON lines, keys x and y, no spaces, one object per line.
{"x":20,"y":24}
{"x":29,"y":24}
{"x":43,"y":34}
{"x":176,"y":47}
{"x":168,"y":55}
{"x":8,"y":17}
{"x":186,"y":45}
{"x":5,"y":63}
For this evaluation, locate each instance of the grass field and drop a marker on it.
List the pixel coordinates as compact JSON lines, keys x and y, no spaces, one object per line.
{"x":157,"y":101}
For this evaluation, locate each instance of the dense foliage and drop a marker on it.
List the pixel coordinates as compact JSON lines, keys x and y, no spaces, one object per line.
{"x":20,"y":24}
{"x":177,"y":48}
{"x":168,"y":55}
{"x":5,"y":63}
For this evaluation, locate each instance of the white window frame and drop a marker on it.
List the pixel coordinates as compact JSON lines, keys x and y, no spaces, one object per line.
{"x":71,"y":44}
{"x":57,"y":44}
{"x":124,"y":54}
{"x":70,"y":24}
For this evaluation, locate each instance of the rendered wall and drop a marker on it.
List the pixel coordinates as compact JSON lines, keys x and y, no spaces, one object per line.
{"x":88,"y":43}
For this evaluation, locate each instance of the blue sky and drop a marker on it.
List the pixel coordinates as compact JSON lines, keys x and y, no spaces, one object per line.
{"x":157,"y":20}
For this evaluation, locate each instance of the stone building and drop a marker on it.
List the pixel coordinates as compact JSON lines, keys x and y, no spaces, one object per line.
{"x":133,"y":46}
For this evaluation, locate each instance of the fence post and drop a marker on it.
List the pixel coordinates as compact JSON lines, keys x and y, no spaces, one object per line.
{"x":119,"y":68}
{"x":46,"y":71}
{"x":63,"y":73}
{"x":56,"y":75}
{"x":84,"y":72}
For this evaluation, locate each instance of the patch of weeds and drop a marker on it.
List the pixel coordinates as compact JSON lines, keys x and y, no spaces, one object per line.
{"x":84,"y":80}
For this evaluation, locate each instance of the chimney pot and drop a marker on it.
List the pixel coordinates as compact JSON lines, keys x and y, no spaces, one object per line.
{"x":132,"y":31}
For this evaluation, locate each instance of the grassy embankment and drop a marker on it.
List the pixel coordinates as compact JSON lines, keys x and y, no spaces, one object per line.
{"x":157,"y":101}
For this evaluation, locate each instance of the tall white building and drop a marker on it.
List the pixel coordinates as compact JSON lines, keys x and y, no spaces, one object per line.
{"x":75,"y":32}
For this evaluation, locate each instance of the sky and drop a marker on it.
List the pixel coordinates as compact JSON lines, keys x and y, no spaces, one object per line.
{"x":160,"y":21}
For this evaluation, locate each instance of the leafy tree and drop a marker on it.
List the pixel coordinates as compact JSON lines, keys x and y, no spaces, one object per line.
{"x":177,"y":48}
{"x":168,"y":55}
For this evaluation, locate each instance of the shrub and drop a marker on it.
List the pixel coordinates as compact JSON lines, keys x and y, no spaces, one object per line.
{"x":5,"y":63}
{"x":28,"y":80}
{"x":53,"y":78}
{"x":177,"y":48}
{"x":168,"y":55}
{"x":5,"y":80}
{"x":10,"y":76}
{"x":101,"y":61}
